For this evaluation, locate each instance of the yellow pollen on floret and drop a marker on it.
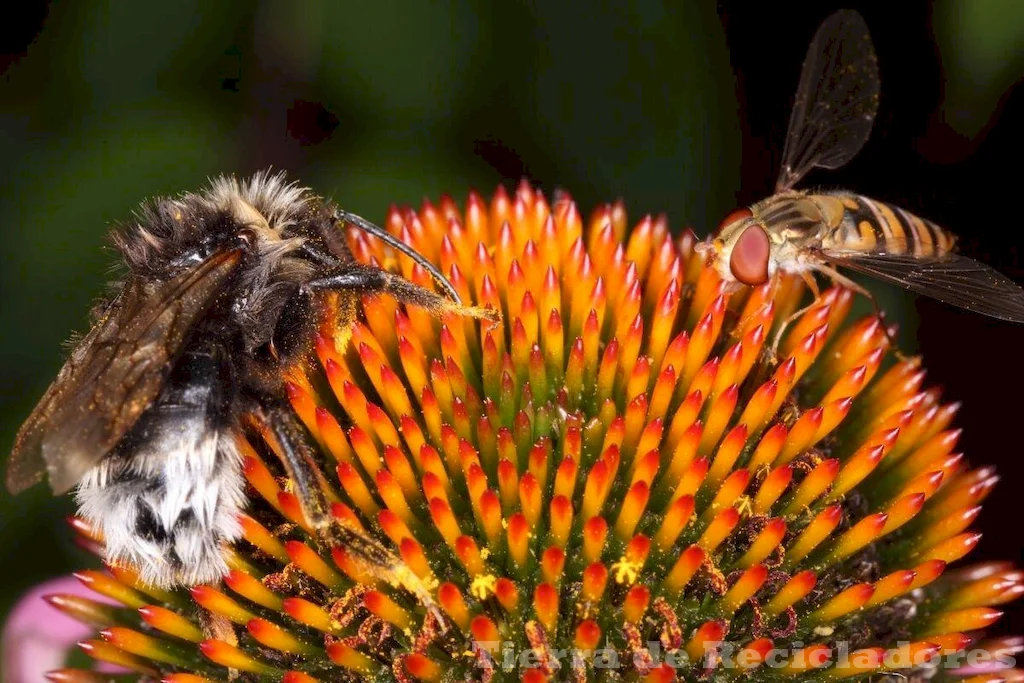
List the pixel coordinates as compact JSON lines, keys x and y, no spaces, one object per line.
{"x":483,"y":586}
{"x":626,"y":571}
{"x":745,"y":506}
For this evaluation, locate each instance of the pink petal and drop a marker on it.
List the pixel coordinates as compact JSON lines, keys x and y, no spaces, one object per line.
{"x":37,"y":638}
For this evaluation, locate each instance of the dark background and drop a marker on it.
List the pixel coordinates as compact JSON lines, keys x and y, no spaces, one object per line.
{"x":673,"y":106}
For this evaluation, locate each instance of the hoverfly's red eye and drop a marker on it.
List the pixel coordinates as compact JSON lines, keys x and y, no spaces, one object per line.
{"x":737,"y":215}
{"x":749,"y":260}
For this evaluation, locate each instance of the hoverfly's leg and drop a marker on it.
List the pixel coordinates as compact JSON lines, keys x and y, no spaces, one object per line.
{"x":813,"y":286}
{"x":366,"y":280}
{"x":841,"y":279}
{"x":284,"y":432}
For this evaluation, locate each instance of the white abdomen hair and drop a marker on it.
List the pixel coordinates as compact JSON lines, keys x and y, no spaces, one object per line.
{"x":167,"y":499}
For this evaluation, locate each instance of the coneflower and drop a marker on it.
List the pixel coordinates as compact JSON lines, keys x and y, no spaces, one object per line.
{"x":617,"y":481}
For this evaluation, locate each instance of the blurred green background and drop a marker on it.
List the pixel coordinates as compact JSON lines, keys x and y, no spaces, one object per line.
{"x":104,"y":103}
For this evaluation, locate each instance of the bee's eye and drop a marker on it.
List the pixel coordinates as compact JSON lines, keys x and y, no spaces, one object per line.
{"x":247,"y":238}
{"x":749,"y":260}
{"x":736,"y":215}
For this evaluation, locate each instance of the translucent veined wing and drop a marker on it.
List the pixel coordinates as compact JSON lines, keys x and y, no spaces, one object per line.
{"x":953,"y":279}
{"x":112,"y":376}
{"x":836,"y":101}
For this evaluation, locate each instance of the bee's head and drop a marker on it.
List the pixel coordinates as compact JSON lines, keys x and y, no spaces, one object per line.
{"x":172,"y":235}
{"x":739,"y":250}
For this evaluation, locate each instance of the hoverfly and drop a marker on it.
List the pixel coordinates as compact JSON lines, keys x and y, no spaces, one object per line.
{"x":224,"y":292}
{"x":800,"y":232}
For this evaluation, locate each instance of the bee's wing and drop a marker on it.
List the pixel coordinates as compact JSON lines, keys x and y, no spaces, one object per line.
{"x":836,"y":101}
{"x":953,"y":279}
{"x":113,"y":374}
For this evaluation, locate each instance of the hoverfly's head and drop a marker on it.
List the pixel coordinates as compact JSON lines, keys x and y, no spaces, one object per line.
{"x":739,"y":250}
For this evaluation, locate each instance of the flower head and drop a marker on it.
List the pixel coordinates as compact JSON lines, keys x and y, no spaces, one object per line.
{"x":615,"y":480}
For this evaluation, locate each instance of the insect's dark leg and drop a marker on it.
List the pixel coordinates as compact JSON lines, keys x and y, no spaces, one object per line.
{"x":285,"y":433}
{"x":366,"y":280}
{"x":322,"y":257}
{"x":284,"y":429}
{"x":217,"y":626}
{"x":389,"y":239}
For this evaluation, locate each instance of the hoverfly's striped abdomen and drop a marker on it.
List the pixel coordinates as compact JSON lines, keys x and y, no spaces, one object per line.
{"x":873,"y":227}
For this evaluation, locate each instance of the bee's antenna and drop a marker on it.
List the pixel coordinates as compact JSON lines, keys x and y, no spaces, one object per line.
{"x":389,"y":239}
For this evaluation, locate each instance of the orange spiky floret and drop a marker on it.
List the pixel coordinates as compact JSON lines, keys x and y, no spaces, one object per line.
{"x":615,"y":475}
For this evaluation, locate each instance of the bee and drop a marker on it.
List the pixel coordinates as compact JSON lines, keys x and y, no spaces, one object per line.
{"x":799,"y":232}
{"x":224,"y":292}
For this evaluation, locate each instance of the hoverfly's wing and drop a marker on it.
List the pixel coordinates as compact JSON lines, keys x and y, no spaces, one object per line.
{"x":953,"y":279}
{"x":113,"y":375}
{"x":836,"y":101}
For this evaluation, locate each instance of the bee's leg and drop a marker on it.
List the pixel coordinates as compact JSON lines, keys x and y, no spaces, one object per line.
{"x":284,"y":432}
{"x":352,"y":277}
{"x":218,"y":627}
{"x":839,"y":278}
{"x":813,"y":286}
{"x":393,"y":242}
